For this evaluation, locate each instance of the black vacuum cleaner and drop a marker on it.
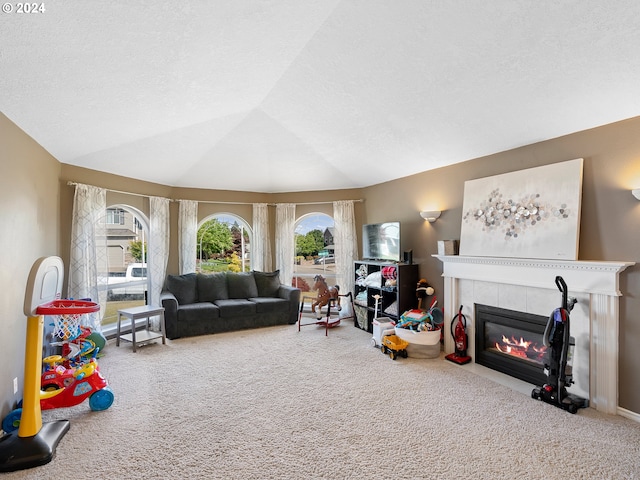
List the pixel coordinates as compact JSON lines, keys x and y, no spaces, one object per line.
{"x":559,"y":373}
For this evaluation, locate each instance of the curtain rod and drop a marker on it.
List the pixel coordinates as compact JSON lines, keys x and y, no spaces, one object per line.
{"x":114,"y":191}
{"x":360,"y":200}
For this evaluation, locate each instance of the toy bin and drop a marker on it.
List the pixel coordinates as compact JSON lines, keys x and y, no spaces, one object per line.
{"x":424,"y":344}
{"x":381,"y":326}
{"x":362,"y":320}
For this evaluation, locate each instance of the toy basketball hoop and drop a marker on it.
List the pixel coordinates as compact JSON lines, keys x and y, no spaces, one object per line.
{"x":66,"y":316}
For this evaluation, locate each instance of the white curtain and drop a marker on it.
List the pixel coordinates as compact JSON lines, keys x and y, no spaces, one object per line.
{"x":285,"y":242}
{"x":261,"y":247}
{"x":88,"y":262}
{"x":346,"y":244}
{"x":187,"y":232}
{"x":158,"y":247}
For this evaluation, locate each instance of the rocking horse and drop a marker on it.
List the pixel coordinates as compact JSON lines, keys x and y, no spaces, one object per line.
{"x":326,"y":294}
{"x":329,"y":296}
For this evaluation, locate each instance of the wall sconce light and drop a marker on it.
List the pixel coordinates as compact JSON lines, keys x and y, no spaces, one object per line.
{"x":636,"y":193}
{"x":431,"y":216}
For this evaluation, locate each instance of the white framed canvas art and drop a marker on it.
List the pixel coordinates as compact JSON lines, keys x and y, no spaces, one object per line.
{"x":531,"y":213}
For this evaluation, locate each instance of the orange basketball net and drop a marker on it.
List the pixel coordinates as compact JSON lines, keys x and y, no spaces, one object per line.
{"x":66,"y":316}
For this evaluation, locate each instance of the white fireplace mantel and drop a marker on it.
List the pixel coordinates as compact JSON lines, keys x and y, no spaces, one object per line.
{"x":519,"y":277}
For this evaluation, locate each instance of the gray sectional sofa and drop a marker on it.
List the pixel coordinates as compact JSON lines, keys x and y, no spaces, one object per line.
{"x":199,"y":304}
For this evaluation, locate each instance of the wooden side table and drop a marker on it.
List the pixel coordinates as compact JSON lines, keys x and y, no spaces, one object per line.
{"x":141,"y":336}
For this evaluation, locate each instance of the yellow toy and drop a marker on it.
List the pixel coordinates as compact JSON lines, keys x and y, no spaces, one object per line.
{"x":393,"y":346}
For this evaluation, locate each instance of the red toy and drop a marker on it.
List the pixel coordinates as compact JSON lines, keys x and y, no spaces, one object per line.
{"x":68,"y":381}
{"x":66,"y":387}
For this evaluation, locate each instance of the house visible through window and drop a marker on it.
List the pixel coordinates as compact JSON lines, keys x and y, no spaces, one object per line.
{"x":116,"y":216}
{"x":127,"y":282}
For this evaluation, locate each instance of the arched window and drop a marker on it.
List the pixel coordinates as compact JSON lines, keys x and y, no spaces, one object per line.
{"x":314,"y":250}
{"x":127,"y":231}
{"x":223,"y":243}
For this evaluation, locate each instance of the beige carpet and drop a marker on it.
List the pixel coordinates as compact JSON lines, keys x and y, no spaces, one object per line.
{"x":277,"y":404}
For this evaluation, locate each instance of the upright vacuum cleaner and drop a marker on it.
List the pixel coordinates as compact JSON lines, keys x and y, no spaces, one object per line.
{"x":460,"y":338}
{"x":559,"y":373}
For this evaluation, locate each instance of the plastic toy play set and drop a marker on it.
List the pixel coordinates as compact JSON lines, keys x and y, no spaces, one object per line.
{"x":66,"y":380}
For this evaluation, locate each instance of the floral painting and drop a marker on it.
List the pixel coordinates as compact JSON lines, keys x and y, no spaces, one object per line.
{"x":532,"y":213}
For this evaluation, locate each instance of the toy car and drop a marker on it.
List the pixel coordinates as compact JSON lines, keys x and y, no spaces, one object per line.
{"x":393,"y":346}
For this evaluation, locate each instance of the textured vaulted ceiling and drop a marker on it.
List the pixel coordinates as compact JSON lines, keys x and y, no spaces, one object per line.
{"x":297,"y":95}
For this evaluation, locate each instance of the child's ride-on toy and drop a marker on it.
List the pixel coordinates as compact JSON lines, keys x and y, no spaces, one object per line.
{"x":380,"y":328}
{"x":66,"y":388}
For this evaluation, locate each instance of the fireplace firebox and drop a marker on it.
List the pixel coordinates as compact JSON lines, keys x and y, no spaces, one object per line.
{"x":511,"y":342}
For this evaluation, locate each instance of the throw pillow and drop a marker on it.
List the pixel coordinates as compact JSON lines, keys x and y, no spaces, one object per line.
{"x":184,"y":287}
{"x":268,"y":283}
{"x":241,"y":285}
{"x":212,"y":287}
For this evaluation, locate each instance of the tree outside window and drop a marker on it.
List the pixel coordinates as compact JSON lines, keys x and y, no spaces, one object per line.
{"x":138,"y":250}
{"x":223,"y":245}
{"x":309,"y":244}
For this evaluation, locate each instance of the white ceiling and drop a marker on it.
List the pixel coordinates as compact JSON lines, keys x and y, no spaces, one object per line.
{"x":298,"y":95}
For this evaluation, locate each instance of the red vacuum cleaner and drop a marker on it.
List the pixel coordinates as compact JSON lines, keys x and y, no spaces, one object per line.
{"x":459,"y":334}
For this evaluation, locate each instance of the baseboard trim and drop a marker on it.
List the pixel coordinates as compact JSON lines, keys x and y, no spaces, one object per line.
{"x":623,"y":412}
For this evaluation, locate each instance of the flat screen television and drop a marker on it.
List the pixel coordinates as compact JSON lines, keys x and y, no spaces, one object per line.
{"x":381,"y":241}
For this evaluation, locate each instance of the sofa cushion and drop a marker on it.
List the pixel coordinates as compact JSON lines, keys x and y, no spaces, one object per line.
{"x":201,"y":311}
{"x":271,"y":305}
{"x":199,"y":319}
{"x":184,"y":287}
{"x":241,"y":285}
{"x":268,"y":283}
{"x":236,"y":307}
{"x":212,"y":287}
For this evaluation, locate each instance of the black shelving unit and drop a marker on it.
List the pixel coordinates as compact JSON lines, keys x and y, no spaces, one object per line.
{"x":403,"y":293}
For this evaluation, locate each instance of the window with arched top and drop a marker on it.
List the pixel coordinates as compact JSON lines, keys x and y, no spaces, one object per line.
{"x":315,"y":249}
{"x":223,"y":243}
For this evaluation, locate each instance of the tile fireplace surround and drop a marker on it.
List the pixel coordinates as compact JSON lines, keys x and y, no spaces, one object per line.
{"x":528,"y":285}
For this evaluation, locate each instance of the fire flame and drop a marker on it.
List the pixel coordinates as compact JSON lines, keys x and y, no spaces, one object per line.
{"x":521,"y":348}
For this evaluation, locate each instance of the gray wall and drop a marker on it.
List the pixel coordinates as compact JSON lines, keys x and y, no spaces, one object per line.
{"x":36,"y":213}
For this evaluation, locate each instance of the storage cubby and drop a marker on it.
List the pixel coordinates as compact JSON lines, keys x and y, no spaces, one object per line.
{"x":395,"y":283}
